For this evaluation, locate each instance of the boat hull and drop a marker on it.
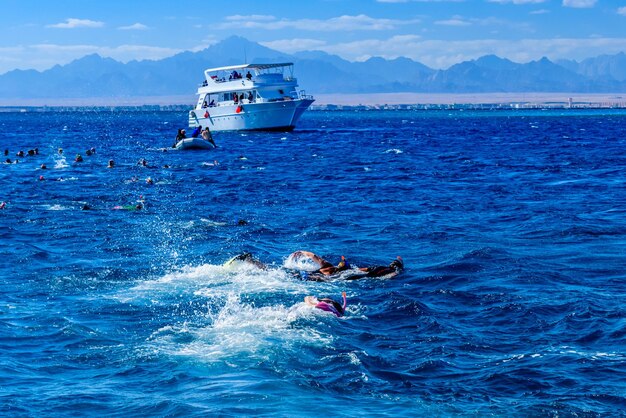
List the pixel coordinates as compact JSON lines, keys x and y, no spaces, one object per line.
{"x":193,"y":143}
{"x":272,"y":116}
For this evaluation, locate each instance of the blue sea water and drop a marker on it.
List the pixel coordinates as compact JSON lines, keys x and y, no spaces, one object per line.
{"x":512,"y":226}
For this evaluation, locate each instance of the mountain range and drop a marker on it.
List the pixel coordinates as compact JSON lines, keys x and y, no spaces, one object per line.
{"x":318,"y":72}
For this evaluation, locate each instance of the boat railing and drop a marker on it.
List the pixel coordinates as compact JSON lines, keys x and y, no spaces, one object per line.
{"x":303,"y":96}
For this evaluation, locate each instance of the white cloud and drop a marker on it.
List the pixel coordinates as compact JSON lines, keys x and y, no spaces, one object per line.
{"x":455,"y":21}
{"x":335,"y":24}
{"x":135,"y":26}
{"x":254,"y":18}
{"x":622,"y":11}
{"x":580,"y":4}
{"x":294,"y":45}
{"x":72,"y":23}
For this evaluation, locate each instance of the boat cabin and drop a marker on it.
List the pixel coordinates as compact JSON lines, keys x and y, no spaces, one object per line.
{"x":247,"y":84}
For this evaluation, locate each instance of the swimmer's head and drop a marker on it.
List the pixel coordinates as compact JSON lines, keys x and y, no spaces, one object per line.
{"x":330,"y":305}
{"x":343,"y":264}
{"x":397,"y":264}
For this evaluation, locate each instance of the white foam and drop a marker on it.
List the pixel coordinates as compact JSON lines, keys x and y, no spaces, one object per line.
{"x":239,"y":328}
{"x":60,"y":161}
{"x":212,"y":281}
{"x":55,"y":207}
{"x":210,"y":222}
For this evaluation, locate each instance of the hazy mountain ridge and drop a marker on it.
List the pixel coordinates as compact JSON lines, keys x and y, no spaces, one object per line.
{"x":317,"y":72}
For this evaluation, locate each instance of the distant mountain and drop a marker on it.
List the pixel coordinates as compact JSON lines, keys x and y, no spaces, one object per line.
{"x":317,"y":72}
{"x":600,"y":67}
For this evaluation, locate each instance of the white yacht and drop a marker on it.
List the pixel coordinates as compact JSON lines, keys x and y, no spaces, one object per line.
{"x":249,"y":97}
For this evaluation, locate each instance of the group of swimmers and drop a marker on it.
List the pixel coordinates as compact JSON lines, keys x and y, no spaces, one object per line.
{"x":79,"y":159}
{"x":20,"y":154}
{"x":329,"y":272}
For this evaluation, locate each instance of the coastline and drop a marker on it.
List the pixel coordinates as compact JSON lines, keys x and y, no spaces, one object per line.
{"x":354,"y":99}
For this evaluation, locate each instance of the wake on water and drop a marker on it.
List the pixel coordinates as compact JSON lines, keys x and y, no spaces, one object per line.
{"x":247,"y":311}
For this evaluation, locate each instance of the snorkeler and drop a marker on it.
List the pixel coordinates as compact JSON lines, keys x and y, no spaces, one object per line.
{"x":245,"y":258}
{"x":326,"y":268}
{"x":327,"y":271}
{"x":392,"y":270}
{"x":328,"y":305}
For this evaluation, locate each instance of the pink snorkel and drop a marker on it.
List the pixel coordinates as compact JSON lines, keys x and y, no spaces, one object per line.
{"x":330,"y":305}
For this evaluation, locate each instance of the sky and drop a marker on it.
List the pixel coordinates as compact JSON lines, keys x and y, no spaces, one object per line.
{"x":438,"y":33}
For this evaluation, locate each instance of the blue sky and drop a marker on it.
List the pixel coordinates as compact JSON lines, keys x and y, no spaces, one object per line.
{"x":438,"y":33}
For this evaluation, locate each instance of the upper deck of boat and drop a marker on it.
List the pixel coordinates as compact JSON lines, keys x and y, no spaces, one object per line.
{"x":231,"y":78}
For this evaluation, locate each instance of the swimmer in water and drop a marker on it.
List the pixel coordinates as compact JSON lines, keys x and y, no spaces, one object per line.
{"x":111,"y":164}
{"x":79,"y":158}
{"x":246,"y":258}
{"x":327,"y":270}
{"x":328,"y":305}
{"x":392,"y":270}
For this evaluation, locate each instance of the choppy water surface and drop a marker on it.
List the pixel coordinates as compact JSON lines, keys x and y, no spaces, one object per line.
{"x":512,"y":226}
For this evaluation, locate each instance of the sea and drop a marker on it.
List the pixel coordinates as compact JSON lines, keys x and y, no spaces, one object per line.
{"x":117,"y":298}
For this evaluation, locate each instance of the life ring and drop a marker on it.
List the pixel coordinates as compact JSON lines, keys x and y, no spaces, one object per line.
{"x":239,"y":109}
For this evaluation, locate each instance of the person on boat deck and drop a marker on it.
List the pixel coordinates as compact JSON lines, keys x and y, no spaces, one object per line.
{"x":249,"y":76}
{"x":206,"y":134}
{"x":205,"y":104}
{"x":235,"y":98}
{"x":327,"y":269}
{"x":212,"y":103}
{"x":196,"y":133}
{"x":250,"y":97}
{"x":328,"y":305}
